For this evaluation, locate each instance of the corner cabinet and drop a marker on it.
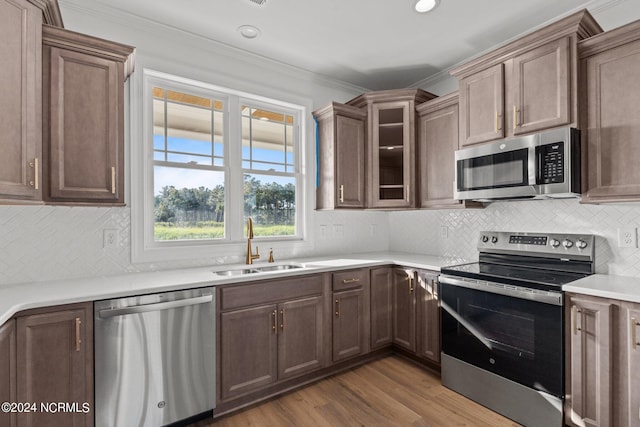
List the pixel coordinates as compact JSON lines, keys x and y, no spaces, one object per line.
{"x":83,"y":123}
{"x":21,"y":100}
{"x":404,"y":309}
{"x":428,"y":306}
{"x":350,"y":313}
{"x":437,"y":143}
{"x":525,"y":86}
{"x":381,"y":280}
{"x":341,"y":157}
{"x":55,"y":364}
{"x":610,"y":63}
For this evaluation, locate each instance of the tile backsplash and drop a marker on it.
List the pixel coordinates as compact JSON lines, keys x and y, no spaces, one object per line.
{"x":456,"y":232}
{"x":39,"y":243}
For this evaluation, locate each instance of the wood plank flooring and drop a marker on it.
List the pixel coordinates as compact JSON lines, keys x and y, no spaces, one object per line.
{"x":388,"y":392}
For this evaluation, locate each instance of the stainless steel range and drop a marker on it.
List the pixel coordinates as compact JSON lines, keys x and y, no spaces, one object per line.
{"x":502,"y":322}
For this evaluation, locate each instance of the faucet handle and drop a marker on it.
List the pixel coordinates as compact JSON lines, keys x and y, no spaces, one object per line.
{"x":270,"y":254}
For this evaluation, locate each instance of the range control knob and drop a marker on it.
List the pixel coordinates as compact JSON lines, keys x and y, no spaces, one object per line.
{"x":581,"y":244}
{"x":554,"y":243}
{"x":494,"y":239}
{"x":485,"y":239}
{"x":567,"y":243}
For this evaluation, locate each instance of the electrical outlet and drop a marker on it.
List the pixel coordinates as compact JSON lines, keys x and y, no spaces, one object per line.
{"x":338,"y":231}
{"x":627,"y":237}
{"x":110,"y":238}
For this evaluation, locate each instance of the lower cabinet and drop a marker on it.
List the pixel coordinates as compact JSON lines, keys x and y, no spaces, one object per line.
{"x":381,"y":285}
{"x":269,"y":331}
{"x":350,"y":314}
{"x":404,"y":308}
{"x":46,"y":360}
{"x":8,"y":370}
{"x":428,"y":327}
{"x":603,"y":386}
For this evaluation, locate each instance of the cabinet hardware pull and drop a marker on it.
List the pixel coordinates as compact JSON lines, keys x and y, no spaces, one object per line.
{"x":574,"y":315}
{"x":354,"y":280}
{"x":341,"y":193}
{"x":78,"y":340}
{"x":113,"y":180}
{"x":274,"y":317}
{"x":337,"y":307}
{"x":498,"y":122}
{"x":35,"y":183}
{"x":634,"y":336}
{"x":410,"y":284}
{"x":407,"y":193}
{"x":282,"y":324}
{"x":515,"y":117}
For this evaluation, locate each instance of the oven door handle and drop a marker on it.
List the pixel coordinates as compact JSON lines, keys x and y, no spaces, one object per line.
{"x":545,"y":297}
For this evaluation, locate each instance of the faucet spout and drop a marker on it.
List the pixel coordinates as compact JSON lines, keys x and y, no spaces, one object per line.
{"x":250,"y":255}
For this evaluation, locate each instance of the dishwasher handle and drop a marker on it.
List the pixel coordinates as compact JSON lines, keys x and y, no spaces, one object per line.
{"x":113,"y":312}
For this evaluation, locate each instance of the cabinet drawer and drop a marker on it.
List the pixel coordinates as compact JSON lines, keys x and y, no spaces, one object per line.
{"x":350,"y":279}
{"x":269,"y":291}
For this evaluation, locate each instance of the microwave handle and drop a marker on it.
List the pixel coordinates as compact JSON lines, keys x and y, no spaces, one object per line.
{"x":533,"y":165}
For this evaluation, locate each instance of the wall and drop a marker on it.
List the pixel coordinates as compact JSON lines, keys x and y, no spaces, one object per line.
{"x":456,"y":232}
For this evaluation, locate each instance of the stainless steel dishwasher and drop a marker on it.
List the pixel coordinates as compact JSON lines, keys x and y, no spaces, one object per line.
{"x":154,"y":358}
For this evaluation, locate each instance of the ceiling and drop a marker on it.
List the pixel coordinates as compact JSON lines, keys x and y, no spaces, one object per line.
{"x":373,"y":44}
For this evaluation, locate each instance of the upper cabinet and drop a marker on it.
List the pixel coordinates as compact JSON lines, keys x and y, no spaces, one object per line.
{"x":391,"y":159}
{"x":525,"y":86}
{"x":83,"y":128}
{"x":437,"y":143}
{"x":20,"y":100}
{"x":341,"y":157}
{"x":62,"y":108}
{"x":610,"y":121}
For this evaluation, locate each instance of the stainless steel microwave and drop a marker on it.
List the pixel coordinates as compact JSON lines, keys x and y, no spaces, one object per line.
{"x":542,"y":165}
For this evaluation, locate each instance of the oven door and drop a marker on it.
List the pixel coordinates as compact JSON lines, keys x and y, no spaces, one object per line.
{"x":513,"y":332}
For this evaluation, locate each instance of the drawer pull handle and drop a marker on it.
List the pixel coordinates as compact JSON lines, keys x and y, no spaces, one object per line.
{"x":341,"y":193}
{"x":347,"y":281}
{"x":337,"y":307}
{"x":410,"y":284}
{"x":282,"y":324}
{"x":574,"y":315}
{"x":78,"y":340}
{"x":498,"y":122}
{"x":113,"y":180}
{"x":634,"y":333}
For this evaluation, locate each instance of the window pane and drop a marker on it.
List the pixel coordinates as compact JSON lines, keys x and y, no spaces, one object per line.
{"x":189,"y":204}
{"x":271,"y":203}
{"x":267,"y":140}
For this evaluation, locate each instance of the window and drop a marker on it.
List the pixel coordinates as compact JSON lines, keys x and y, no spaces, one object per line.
{"x":214,"y":158}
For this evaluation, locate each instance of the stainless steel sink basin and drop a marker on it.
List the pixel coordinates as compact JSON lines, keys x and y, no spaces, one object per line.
{"x":279,"y":267}
{"x":238,"y":272}
{"x":253,"y":270}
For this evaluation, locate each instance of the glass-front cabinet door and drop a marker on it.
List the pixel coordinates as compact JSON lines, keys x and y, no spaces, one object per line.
{"x":392,"y":155}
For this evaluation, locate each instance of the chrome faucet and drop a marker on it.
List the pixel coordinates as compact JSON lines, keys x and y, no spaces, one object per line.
{"x":250,"y":255}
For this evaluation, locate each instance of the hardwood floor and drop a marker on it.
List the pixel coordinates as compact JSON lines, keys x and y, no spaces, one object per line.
{"x":388,"y":392}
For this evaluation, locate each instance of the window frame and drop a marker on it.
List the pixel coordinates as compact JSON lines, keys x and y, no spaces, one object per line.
{"x":144,"y":246}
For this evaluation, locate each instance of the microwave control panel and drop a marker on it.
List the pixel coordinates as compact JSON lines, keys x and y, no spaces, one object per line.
{"x":550,"y":163}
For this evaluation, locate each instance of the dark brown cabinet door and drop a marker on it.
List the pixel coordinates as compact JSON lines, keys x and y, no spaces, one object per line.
{"x":428,"y":326}
{"x":301,"y":335}
{"x":482,"y":106}
{"x":348,"y":324}
{"x":589,"y":398}
{"x":20,"y":100}
{"x":541,"y":88}
{"x":631,"y":381}
{"x":612,"y":126}
{"x":341,"y":157}
{"x":404,"y":309}
{"x":8,"y":370}
{"x":55,"y":364}
{"x":248,"y":344}
{"x":381,"y":307}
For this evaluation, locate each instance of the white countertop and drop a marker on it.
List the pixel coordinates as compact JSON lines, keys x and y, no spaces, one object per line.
{"x":18,"y":297}
{"x":606,"y":286}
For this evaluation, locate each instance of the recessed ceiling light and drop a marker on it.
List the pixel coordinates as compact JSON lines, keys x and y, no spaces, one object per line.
{"x":423,"y":6}
{"x":249,"y":31}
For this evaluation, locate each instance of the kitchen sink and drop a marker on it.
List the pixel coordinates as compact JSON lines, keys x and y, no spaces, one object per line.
{"x":261,"y":269}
